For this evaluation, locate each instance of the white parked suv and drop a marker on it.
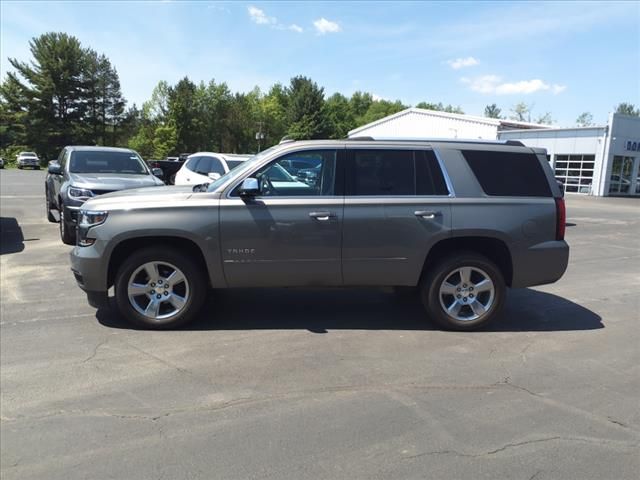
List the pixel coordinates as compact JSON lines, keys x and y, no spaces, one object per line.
{"x":28,"y":159}
{"x":205,"y":167}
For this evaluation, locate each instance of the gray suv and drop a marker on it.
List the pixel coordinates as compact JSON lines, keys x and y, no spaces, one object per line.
{"x":459,"y":220}
{"x":81,"y":173}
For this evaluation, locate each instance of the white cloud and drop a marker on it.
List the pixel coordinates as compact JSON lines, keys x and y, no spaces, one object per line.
{"x":376,"y":98}
{"x":324,"y":26}
{"x":493,"y":84}
{"x":258,"y":16}
{"x":556,"y":89}
{"x":462,"y":62}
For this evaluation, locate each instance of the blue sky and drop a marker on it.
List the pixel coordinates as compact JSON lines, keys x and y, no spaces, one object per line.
{"x":565,"y":58}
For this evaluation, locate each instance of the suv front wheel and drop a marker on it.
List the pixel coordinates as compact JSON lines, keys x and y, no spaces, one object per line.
{"x":463,"y":292}
{"x":158,"y":289}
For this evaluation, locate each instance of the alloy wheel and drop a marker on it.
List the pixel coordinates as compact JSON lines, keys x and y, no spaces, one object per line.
{"x":467,"y":293}
{"x":158,"y":290}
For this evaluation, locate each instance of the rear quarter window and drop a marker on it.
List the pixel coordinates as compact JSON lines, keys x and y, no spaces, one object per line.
{"x":508,"y":174}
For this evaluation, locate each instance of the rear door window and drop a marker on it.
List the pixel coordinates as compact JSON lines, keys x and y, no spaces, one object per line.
{"x":386,"y":173}
{"x":508,"y":174}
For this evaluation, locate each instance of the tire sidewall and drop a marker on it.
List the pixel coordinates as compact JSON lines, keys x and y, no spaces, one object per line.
{"x":430,"y":290}
{"x":67,"y":232}
{"x":193,"y":273}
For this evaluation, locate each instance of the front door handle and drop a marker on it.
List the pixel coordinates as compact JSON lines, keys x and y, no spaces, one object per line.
{"x":322,"y":216}
{"x":429,"y":215}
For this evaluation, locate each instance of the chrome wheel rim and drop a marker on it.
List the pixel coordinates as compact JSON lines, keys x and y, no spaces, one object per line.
{"x":158,"y":290}
{"x":467,"y":294}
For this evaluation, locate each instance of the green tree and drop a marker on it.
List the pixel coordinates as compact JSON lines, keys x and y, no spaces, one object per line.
{"x":521,"y":112}
{"x":625,"y":108}
{"x":440,"y":107}
{"x":165,"y":138}
{"x":380,"y":109}
{"x":339,"y":116}
{"x":545,"y":119}
{"x":305,"y":110}
{"x":492,"y":111}
{"x":584,"y":120}
{"x":360,"y":103}
{"x":274,"y":107}
{"x":182,"y":113}
{"x":52,"y":88}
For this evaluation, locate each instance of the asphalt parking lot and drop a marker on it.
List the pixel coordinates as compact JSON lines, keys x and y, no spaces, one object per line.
{"x":321,"y":383}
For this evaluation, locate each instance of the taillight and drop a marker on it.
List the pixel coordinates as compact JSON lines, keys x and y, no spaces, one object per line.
{"x":561,"y":218}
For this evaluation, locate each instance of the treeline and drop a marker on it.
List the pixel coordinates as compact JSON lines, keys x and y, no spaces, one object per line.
{"x":69,"y":94}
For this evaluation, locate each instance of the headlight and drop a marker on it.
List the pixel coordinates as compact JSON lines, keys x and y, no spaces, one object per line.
{"x":79,"y":193}
{"x":91,"y":218}
{"x":86,"y":220}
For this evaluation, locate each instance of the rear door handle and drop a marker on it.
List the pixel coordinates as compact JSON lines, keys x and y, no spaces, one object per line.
{"x":322,"y":216}
{"x":429,"y":215}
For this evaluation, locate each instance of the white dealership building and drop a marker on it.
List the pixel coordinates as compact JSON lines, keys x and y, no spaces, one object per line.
{"x":600,"y":160}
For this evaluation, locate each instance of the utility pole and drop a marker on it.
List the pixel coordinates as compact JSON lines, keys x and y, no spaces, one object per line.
{"x":259,"y":135}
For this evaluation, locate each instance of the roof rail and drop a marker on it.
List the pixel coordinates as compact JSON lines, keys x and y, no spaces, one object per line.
{"x":515,"y":143}
{"x":360,"y":139}
{"x":286,"y":139}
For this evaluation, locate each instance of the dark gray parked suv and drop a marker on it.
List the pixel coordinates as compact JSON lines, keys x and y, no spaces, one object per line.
{"x":459,"y":220}
{"x":81,"y":173}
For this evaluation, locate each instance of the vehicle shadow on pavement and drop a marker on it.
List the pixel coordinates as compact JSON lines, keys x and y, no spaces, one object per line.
{"x":322,"y":310}
{"x":11,"y":237}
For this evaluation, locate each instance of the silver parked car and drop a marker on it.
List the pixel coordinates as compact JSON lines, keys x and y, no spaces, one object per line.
{"x":81,"y":173}
{"x":461,"y":221}
{"x":28,"y":160}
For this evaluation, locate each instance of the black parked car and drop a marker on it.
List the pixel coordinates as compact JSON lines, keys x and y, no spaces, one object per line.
{"x":81,"y":173}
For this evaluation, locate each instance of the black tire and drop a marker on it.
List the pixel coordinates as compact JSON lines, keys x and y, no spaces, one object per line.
{"x":195,"y":280}
{"x":435,"y":277}
{"x":19,"y":167}
{"x":47,"y":207}
{"x":67,"y":229}
{"x":37,"y":168}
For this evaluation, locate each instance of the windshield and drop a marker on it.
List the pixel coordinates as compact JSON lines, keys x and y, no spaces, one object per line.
{"x":240,"y":170}
{"x":107,"y":162}
{"x":27,"y":154}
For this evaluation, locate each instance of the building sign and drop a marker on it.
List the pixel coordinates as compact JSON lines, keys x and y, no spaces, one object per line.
{"x":633,"y":145}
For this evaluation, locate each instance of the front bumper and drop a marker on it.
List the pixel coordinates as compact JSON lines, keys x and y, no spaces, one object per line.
{"x":88,"y":267}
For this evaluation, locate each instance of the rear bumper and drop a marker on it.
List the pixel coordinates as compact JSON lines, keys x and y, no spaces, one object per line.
{"x":540,"y":264}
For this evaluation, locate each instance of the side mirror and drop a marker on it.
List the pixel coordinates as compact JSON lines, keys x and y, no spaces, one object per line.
{"x":249,"y":188}
{"x":213,"y":176}
{"x":157,"y":172}
{"x":54,"y":168}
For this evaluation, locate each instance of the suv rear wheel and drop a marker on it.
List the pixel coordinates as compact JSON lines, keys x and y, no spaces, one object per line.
{"x":158,"y":289}
{"x":463,"y":292}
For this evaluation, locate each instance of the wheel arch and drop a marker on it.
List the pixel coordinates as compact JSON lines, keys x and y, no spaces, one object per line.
{"x":130,"y":245}
{"x":495,"y":249}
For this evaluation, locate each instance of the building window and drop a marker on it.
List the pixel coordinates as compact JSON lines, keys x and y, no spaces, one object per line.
{"x":575,"y":172}
{"x":621,"y":180}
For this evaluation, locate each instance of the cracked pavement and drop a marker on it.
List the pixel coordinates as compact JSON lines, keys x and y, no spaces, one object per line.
{"x":329,"y":384}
